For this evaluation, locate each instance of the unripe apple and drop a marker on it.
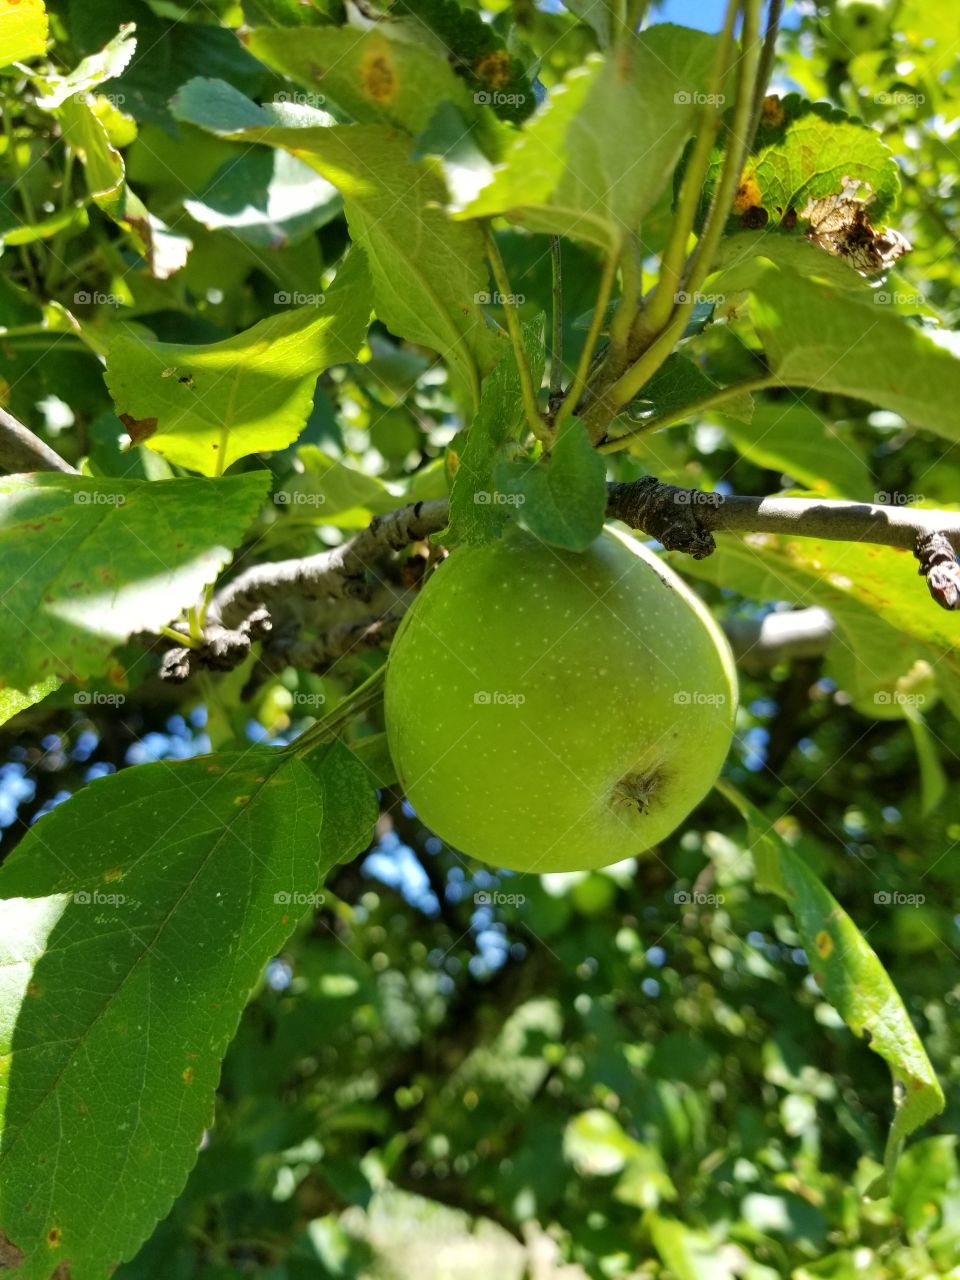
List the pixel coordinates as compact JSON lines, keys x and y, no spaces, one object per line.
{"x":554,"y":711}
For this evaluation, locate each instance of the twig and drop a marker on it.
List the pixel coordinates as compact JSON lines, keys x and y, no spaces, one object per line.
{"x":21,"y":450}
{"x":938,"y":564}
{"x":333,"y":575}
{"x":528,"y":390}
{"x":691,"y":410}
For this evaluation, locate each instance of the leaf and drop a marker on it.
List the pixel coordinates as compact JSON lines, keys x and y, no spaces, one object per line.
{"x":689,"y":1254}
{"x":23,"y":30}
{"x":570,"y":173}
{"x":136,"y":919}
{"x":475,"y":513}
{"x":815,"y":336}
{"x":374,"y":79}
{"x":597,"y":14}
{"x":102,"y":162}
{"x":680,"y":384}
{"x":561,"y":499}
{"x":334,"y":492}
{"x":91,"y":72}
{"x":850,"y":976}
{"x":89,"y":562}
{"x":788,"y":435}
{"x":885,"y":620}
{"x":429,"y":274}
{"x":12,"y":701}
{"x":266,"y":198}
{"x":206,"y":406}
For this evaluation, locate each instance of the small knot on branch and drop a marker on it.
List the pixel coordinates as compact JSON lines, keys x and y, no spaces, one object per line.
{"x":667,"y":512}
{"x":938,"y":564}
{"x":222,"y":649}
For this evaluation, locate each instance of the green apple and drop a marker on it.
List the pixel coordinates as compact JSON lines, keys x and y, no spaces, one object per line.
{"x":556,"y":711}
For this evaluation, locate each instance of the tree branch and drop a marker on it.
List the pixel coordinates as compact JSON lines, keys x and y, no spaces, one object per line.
{"x":21,"y":450}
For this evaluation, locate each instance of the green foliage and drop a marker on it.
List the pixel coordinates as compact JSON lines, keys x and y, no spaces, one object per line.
{"x":249,"y":293}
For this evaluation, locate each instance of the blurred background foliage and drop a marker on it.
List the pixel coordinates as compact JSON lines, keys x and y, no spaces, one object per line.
{"x":450,"y":1072}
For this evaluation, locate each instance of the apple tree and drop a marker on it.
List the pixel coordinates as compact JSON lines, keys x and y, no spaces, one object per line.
{"x":477,"y":668}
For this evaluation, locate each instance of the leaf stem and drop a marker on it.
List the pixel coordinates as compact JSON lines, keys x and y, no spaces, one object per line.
{"x":556,"y":356}
{"x":361,"y":699}
{"x":593,"y":333}
{"x":181,"y":638}
{"x":630,"y":383}
{"x":687,"y":411}
{"x":529,"y":392}
{"x":664,"y":298}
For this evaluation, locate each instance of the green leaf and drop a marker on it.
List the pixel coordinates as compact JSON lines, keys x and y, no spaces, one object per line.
{"x":333,"y":491}
{"x":885,"y":620}
{"x":562,"y":498}
{"x":816,"y":336}
{"x":206,"y":406}
{"x":89,"y":562}
{"x":689,"y":1254}
{"x":374,"y":79}
{"x":806,"y":149}
{"x":266,"y":198}
{"x":102,"y":162}
{"x":12,"y":701}
{"x":788,"y":435}
{"x":23,"y":30}
{"x":429,"y":274}
{"x":570,"y":173}
{"x":136,"y":920}
{"x":475,"y":515}
{"x":850,"y":976}
{"x":597,"y":14}
{"x":678,"y":385}
{"x":110,"y":61}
